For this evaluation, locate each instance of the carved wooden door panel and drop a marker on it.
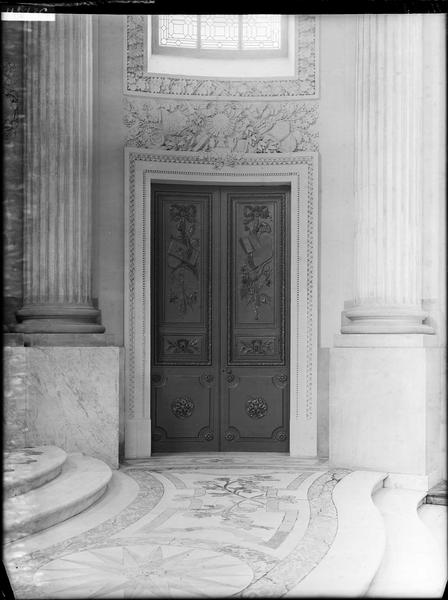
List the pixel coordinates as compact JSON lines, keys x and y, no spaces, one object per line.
{"x":220,"y":348}
{"x":254,"y":388}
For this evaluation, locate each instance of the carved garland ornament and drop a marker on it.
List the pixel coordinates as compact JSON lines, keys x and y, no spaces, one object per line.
{"x":303,"y":84}
{"x":221,"y":127}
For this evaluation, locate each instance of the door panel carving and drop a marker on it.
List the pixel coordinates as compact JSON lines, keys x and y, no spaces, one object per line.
{"x":220,"y":280}
{"x":182,"y":274}
{"x":257,"y":278}
{"x":256,"y":409}
{"x":182,"y":409}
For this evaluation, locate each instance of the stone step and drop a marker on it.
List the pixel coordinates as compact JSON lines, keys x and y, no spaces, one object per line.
{"x":26,"y":469}
{"x":438,"y":494}
{"x":413,"y":565}
{"x":357,"y":551}
{"x":82,"y":481}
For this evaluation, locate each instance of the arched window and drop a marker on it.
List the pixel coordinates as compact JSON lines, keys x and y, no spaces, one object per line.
{"x":220,"y":36}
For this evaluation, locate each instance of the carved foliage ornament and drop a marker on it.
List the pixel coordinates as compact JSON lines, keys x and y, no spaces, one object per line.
{"x":221,"y":127}
{"x":255,"y":278}
{"x":258,"y":346}
{"x":256,"y":407}
{"x":303,"y":84}
{"x":182,"y":346}
{"x":182,"y":407}
{"x":10,"y":102}
{"x":182,"y":257}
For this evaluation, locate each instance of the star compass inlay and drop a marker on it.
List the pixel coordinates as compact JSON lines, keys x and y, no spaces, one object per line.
{"x":143,"y":571}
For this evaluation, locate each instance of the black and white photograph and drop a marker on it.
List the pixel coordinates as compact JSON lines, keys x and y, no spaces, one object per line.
{"x":224,"y":300}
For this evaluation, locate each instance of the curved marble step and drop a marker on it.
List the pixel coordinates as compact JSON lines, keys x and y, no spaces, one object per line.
{"x":356,"y":553}
{"x":26,"y":469}
{"x":413,"y":565}
{"x":82,"y":481}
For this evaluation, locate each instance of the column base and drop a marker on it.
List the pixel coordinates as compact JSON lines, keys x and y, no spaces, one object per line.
{"x":61,"y":318}
{"x":384,"y":319}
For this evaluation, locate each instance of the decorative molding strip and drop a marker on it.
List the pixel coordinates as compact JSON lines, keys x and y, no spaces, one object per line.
{"x":303,"y":85}
{"x":255,"y":127}
{"x":300,"y":170}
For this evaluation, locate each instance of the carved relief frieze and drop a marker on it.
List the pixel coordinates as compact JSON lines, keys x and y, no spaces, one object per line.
{"x":221,"y":127}
{"x":280,"y":381}
{"x":182,"y":345}
{"x":158,"y":380}
{"x":183,"y":254}
{"x":207,"y":380}
{"x":256,"y":407}
{"x":257,"y":346}
{"x":280,"y":435}
{"x":11,"y":115}
{"x":255,"y":279}
{"x":303,"y":84}
{"x":182,"y":407}
{"x":206,"y":434}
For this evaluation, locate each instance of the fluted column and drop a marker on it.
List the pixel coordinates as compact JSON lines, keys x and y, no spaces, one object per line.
{"x":58,"y":178}
{"x":388,"y":192}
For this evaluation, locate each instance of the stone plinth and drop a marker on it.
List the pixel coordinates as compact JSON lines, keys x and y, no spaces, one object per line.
{"x":69,"y":397}
{"x":385,"y":407}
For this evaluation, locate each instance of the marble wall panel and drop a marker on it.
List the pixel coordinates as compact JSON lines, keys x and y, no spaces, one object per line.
{"x":73,"y":399}
{"x":14,"y":396}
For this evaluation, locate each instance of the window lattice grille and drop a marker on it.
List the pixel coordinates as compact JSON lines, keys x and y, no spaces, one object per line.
{"x":261,"y":32}
{"x":178,"y":31}
{"x":220,"y":33}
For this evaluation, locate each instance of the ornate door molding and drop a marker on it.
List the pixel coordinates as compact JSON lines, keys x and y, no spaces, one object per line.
{"x":299,"y":170}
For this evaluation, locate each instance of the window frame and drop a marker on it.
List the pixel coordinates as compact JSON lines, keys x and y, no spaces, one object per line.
{"x":197,"y":52}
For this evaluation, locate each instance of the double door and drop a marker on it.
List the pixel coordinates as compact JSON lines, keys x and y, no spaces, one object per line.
{"x":220,"y":318}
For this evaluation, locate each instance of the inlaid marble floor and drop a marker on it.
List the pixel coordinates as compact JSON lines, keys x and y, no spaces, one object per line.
{"x":221,"y":525}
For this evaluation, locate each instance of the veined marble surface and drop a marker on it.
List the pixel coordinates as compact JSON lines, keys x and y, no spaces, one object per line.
{"x":73,"y":399}
{"x":15,"y":371}
{"x":209,"y":527}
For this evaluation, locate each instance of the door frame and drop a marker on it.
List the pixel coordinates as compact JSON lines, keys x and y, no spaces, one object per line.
{"x":299,"y":170}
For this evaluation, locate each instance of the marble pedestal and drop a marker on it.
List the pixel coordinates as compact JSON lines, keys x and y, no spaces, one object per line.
{"x":385,"y":406}
{"x":64,"y":396}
